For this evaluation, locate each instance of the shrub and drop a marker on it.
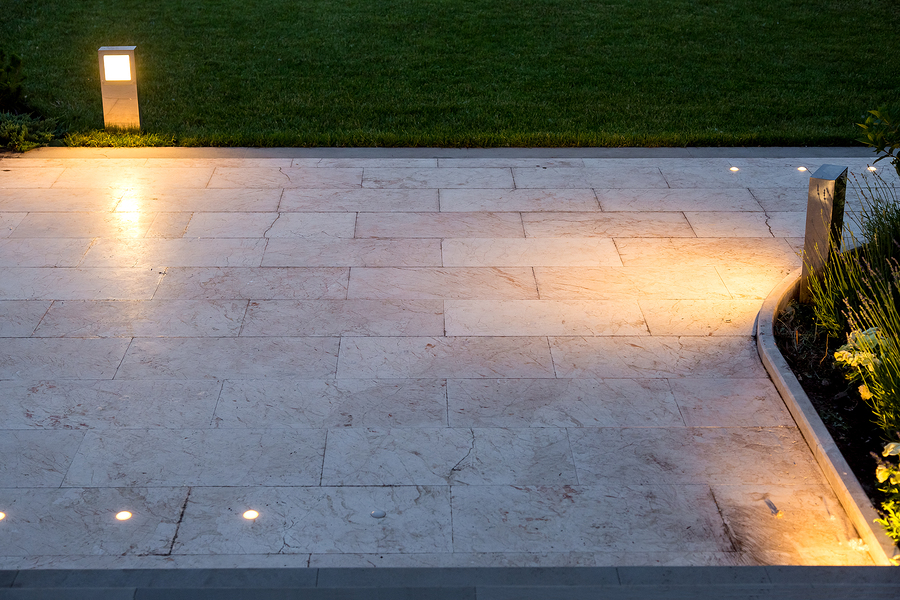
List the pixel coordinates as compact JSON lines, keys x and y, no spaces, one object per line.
{"x":882,"y":128}
{"x":12,"y":98}
{"x":24,"y":132}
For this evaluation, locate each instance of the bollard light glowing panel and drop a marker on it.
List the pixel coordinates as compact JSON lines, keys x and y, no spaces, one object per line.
{"x":118,"y":86}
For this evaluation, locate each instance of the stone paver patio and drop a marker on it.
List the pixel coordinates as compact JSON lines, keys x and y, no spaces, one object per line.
{"x":521,"y":360}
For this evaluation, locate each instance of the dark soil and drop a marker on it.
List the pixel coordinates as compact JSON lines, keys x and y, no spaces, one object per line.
{"x":810,"y":354}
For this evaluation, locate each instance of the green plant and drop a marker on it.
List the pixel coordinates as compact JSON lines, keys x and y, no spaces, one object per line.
{"x":24,"y":132}
{"x":882,"y":132}
{"x":118,"y":139}
{"x":888,"y":474}
{"x":11,"y":78}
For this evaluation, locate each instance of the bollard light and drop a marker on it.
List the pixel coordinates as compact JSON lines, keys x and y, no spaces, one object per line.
{"x":118,"y":86}
{"x":824,"y":223}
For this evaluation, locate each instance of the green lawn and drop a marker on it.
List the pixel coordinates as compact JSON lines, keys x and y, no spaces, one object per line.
{"x":470,"y":72}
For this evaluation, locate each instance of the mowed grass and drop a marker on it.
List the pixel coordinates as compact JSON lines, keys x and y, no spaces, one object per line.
{"x":469,"y":72}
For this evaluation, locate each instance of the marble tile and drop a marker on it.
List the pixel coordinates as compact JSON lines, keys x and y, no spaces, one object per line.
{"x":36,"y":252}
{"x":18,"y":318}
{"x":518,"y":200}
{"x":73,"y":521}
{"x":562,"y":283}
{"x":313,"y":225}
{"x":730,"y":224}
{"x":330,"y":403}
{"x":34,"y":459}
{"x":169,"y":225}
{"x":233,"y":358}
{"x":454,"y":560}
{"x":344,"y":317}
{"x":230,"y":225}
{"x":28,"y":358}
{"x":105,"y":404}
{"x":9,"y":221}
{"x":362,"y":200}
{"x":282,"y":252}
{"x":323,"y":520}
{"x":34,"y":177}
{"x":462,"y":357}
{"x":536,"y":252}
{"x":677,"y":200}
{"x":268,"y":177}
{"x":700,"y":177}
{"x":454,"y":282}
{"x":77,"y":284}
{"x":29,"y":161}
{"x":655,"y":357}
{"x":586,"y":518}
{"x":605,"y":177}
{"x":439,"y":225}
{"x":781,"y":199}
{"x":658,"y":162}
{"x":607,"y":224}
{"x":189,"y":457}
{"x":84,"y":225}
{"x":561,"y":403}
{"x":537,"y":163}
{"x":143,"y":318}
{"x":730,"y":403}
{"x":254,"y":283}
{"x":812,"y":528}
{"x":366,"y":163}
{"x":438,"y":178}
{"x":753,"y":282}
{"x":544,"y":317}
{"x":693,"y":455}
{"x":700,"y":317}
{"x":133,"y":177}
{"x":219,"y":162}
{"x":160,"y":561}
{"x":726,"y":252}
{"x":788,"y":224}
{"x":53,"y":200}
{"x":425,"y":456}
{"x":154,"y":199}
{"x":186,"y":252}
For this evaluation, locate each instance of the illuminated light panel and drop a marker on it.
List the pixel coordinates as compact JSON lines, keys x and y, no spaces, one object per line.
{"x":117,"y":67}
{"x":123,"y":516}
{"x":250,"y":515}
{"x":734,"y":169}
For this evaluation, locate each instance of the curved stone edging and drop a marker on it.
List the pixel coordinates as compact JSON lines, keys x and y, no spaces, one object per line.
{"x":844,"y":483}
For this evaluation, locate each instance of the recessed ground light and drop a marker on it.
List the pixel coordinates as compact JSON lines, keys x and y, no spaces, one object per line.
{"x":250,"y":515}
{"x":801,"y":168}
{"x":123,"y":516}
{"x":873,"y":169}
{"x":734,"y":169}
{"x":378,"y":514}
{"x":2,"y":516}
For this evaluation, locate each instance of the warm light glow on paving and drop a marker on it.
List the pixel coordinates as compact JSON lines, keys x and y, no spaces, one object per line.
{"x":250,"y":515}
{"x":117,"y":67}
{"x":123,"y":516}
{"x":2,"y":516}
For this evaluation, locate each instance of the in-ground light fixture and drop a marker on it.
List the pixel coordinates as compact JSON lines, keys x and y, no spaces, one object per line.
{"x":118,"y":86}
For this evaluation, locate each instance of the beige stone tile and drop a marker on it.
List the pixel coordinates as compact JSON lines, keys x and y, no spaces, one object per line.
{"x":133,"y":177}
{"x":812,"y":528}
{"x":606,"y":177}
{"x":720,"y":200}
{"x":712,"y":316}
{"x":53,"y":200}
{"x":176,"y":457}
{"x":36,"y":459}
{"x":655,"y":357}
{"x":745,"y":177}
{"x":254,"y":283}
{"x":29,"y":161}
{"x":615,"y":516}
{"x":368,"y":163}
{"x":788,"y":224}
{"x":298,"y":520}
{"x":544,"y":317}
{"x":267,"y":177}
{"x":34,"y":177}
{"x":730,"y":224}
{"x":620,"y":224}
{"x":693,"y":455}
{"x":439,"y":225}
{"x":37,"y":252}
{"x":461,"y":357}
{"x":169,"y":225}
{"x":518,"y":200}
{"x":725,"y":252}
{"x":313,"y":225}
{"x":781,"y":199}
{"x":561,"y":403}
{"x":359,"y":200}
{"x":8,"y":223}
{"x":444,"y":456}
{"x":18,"y":318}
{"x":344,"y":317}
{"x":230,"y":225}
{"x":107,"y":404}
{"x":753,"y":281}
{"x":81,"y":521}
{"x":537,"y":252}
{"x":286,"y":252}
{"x":560,"y":283}
{"x":332,"y":403}
{"x":84,"y":225}
{"x":232,"y":358}
{"x":153,"y":199}
{"x":168,"y":163}
{"x":77,"y":284}
{"x":143,"y":318}
{"x":185,"y":252}
{"x":454,"y":560}
{"x":26,"y":358}
{"x":537,"y":163}
{"x":438,"y":178}
{"x":455,"y":282}
{"x":730,"y":403}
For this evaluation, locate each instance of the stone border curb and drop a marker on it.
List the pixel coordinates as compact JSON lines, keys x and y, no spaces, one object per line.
{"x":844,"y":483}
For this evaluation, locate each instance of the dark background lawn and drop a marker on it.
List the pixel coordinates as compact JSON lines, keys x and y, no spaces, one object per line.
{"x":470,"y":72}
